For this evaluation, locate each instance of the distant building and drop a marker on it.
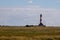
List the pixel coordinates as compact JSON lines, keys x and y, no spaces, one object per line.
{"x":41,"y":24}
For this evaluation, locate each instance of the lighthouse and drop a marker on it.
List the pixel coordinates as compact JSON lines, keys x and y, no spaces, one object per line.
{"x":41,"y":24}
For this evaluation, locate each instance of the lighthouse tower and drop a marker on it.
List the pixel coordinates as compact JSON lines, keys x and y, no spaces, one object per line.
{"x":41,"y":24}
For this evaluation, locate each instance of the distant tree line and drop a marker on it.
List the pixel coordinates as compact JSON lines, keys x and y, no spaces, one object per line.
{"x":29,"y":25}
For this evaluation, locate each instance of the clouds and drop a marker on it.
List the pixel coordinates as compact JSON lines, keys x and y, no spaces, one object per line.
{"x":29,"y":15}
{"x":22,"y":12}
{"x":30,"y":1}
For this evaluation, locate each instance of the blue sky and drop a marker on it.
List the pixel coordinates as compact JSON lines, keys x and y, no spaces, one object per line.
{"x":43,"y":3}
{"x":22,"y":12}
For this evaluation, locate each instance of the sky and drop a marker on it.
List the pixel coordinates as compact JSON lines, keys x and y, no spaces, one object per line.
{"x":27,"y":12}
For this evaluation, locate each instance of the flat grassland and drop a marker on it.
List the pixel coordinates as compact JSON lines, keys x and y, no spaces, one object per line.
{"x":29,"y":33}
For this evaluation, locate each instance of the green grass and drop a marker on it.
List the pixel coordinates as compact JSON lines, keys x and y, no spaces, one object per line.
{"x":32,"y":33}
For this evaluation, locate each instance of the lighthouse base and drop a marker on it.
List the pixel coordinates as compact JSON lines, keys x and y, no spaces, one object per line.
{"x":41,"y":24}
